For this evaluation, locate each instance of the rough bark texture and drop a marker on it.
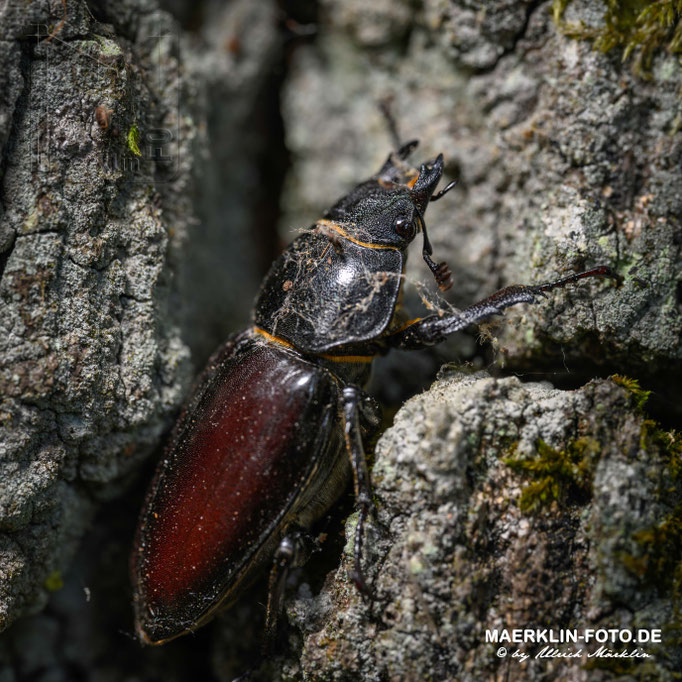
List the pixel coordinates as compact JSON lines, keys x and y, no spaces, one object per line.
{"x":457,"y":554}
{"x":104,"y":129}
{"x":113,"y":264}
{"x":91,"y":353}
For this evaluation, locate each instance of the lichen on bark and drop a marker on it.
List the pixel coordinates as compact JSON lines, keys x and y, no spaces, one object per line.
{"x":92,"y":361}
{"x":455,"y":552}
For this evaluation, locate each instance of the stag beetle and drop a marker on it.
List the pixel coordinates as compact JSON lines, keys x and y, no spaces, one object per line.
{"x":274,"y":427}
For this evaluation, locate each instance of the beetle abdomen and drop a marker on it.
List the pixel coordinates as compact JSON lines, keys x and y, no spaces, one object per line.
{"x":236,"y":470}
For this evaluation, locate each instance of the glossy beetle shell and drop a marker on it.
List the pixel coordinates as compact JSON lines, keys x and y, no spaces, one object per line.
{"x":278,"y":418}
{"x":266,"y":441}
{"x":259,"y":447}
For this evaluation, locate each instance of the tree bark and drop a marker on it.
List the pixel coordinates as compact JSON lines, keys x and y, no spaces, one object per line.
{"x":135,"y":158}
{"x":108,"y":189}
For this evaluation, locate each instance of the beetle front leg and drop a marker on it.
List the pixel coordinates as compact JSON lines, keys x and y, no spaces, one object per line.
{"x":352,"y":407}
{"x":434,"y":329}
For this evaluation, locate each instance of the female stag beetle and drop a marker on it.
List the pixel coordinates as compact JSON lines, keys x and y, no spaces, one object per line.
{"x":275,"y":424}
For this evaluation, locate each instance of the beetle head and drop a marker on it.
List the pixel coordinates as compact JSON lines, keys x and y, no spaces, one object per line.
{"x":388,"y":209}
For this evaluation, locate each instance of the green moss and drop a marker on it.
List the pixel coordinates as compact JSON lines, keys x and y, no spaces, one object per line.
{"x":54,"y":581}
{"x":668,"y":443}
{"x":134,"y":140}
{"x":108,"y":47}
{"x":639,"y":28}
{"x":562,"y":476}
{"x":658,"y":564}
{"x":661,"y":552}
{"x":639,"y":395}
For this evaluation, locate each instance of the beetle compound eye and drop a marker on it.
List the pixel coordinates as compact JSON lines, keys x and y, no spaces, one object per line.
{"x":405,"y":227}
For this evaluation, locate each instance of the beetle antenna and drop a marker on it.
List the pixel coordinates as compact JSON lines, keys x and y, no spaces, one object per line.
{"x":441,"y":271}
{"x":385,"y":108}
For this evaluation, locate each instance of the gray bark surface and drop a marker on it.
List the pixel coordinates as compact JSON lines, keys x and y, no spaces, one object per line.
{"x":117,"y":268}
{"x":92,"y":359}
{"x":99,"y":219}
{"x":453,"y":554}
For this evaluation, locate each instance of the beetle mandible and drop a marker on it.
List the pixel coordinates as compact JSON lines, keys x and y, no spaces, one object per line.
{"x":275,"y":424}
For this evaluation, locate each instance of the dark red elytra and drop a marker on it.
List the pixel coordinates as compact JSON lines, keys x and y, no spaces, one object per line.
{"x":275,"y":424}
{"x":244,"y":459}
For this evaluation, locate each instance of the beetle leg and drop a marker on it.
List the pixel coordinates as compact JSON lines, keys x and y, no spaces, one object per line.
{"x":370,"y":415}
{"x":290,"y":553}
{"x":352,"y":407}
{"x":434,"y":329}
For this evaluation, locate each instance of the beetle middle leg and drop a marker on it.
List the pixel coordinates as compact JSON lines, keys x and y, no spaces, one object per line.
{"x":358,"y":405}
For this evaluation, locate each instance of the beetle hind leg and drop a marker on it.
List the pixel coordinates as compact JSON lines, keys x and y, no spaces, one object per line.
{"x":293,"y":550}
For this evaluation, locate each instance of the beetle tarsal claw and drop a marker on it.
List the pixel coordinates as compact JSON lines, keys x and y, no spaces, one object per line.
{"x":443,"y":276}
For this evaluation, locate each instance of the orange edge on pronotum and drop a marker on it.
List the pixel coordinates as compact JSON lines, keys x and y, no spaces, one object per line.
{"x":405,"y":326}
{"x":325,"y":356}
{"x":351,"y":359}
{"x":273,"y":339}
